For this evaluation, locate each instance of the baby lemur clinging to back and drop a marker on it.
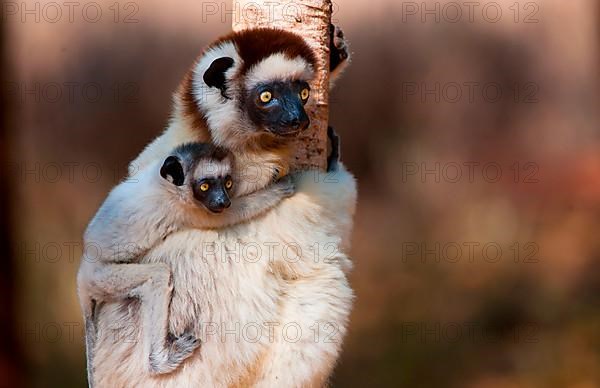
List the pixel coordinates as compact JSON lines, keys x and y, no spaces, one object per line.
{"x":190,"y":189}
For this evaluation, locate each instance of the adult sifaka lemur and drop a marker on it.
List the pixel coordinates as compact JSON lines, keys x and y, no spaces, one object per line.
{"x":269,"y":298}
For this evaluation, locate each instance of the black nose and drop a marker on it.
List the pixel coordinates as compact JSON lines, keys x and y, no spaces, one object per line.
{"x":217,"y":205}
{"x":223,"y":203}
{"x":300,"y":122}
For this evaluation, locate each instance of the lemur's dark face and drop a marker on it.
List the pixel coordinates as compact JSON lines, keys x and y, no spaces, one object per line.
{"x":208,"y":182}
{"x":213,"y":192}
{"x":263,"y":84}
{"x":278,"y":107}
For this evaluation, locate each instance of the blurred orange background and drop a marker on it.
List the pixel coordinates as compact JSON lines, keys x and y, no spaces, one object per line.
{"x":472,"y":128}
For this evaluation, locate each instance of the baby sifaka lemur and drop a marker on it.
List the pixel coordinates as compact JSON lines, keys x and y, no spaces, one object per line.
{"x":191,"y":188}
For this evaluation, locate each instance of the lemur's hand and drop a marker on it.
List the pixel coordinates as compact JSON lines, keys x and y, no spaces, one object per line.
{"x":338,"y":50}
{"x":285,"y":186}
{"x":334,"y":157}
{"x":183,"y":346}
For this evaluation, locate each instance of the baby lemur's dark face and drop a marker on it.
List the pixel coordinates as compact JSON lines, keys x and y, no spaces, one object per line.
{"x":204,"y":170}
{"x":213,"y":192}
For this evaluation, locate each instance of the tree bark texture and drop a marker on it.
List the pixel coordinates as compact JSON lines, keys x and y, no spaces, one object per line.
{"x":310,"y":19}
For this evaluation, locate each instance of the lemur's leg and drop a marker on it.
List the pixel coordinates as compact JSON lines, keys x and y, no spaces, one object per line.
{"x":165,"y":351}
{"x":151,"y":284}
{"x":339,"y":53}
{"x":334,"y":157}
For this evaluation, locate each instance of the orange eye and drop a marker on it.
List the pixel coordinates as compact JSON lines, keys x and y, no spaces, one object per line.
{"x":229,"y":184}
{"x":304,"y":94}
{"x":204,"y":187}
{"x":266,"y":96}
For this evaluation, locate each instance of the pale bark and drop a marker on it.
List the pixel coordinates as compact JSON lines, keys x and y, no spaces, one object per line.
{"x":310,"y":19}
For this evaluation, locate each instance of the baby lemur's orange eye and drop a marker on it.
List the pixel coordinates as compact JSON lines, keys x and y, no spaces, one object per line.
{"x":266,"y":96}
{"x":204,"y":187}
{"x":228,"y":184}
{"x":304,"y":94}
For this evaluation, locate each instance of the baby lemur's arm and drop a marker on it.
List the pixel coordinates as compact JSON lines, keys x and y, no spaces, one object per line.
{"x":248,"y":206}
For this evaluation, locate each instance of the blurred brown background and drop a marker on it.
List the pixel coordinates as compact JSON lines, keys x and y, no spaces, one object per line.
{"x":472,"y":128}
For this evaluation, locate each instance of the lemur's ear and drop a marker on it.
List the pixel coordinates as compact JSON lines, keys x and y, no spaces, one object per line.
{"x":172,"y":170}
{"x":215,"y":75}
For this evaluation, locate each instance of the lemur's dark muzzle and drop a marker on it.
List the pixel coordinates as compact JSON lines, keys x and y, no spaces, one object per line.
{"x":294,"y":118}
{"x":219,"y":202}
{"x":299,"y":121}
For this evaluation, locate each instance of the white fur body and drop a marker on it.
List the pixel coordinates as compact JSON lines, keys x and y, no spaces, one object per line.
{"x":137,"y":215}
{"x":247,"y":287}
{"x":283,"y":272}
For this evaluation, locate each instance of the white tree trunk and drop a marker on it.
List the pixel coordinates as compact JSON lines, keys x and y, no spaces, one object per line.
{"x":310,"y":19}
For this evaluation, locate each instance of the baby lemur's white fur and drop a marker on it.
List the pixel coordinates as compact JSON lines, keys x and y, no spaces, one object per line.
{"x":269,"y":298}
{"x":161,"y":199}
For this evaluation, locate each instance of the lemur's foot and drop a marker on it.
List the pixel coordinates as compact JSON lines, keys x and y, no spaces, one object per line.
{"x":178,"y":350}
{"x":184,"y":345}
{"x":334,"y":157}
{"x":339,"y":51}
